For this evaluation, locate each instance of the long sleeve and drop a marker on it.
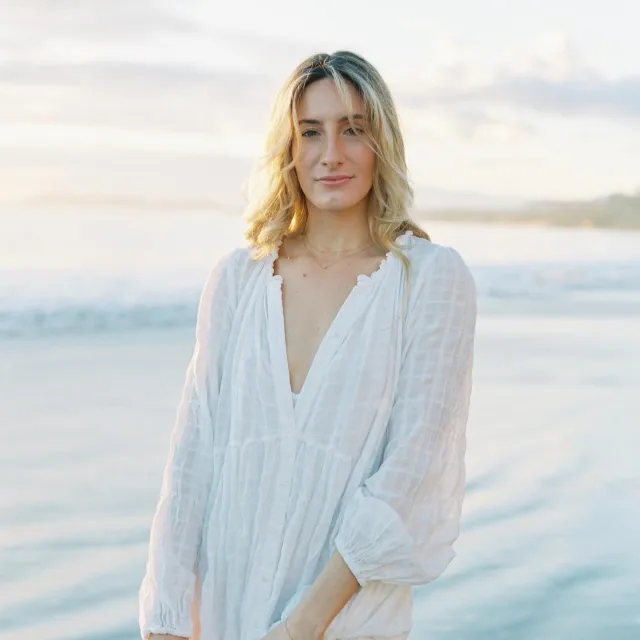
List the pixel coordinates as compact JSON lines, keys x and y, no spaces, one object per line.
{"x":168,"y":587}
{"x":401,"y":523}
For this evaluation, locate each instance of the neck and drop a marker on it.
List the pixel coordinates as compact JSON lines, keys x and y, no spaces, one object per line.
{"x":338,"y":231}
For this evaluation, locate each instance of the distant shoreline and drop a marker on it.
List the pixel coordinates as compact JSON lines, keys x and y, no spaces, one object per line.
{"x":614,"y":212}
{"x":618,"y":211}
{"x":529,"y":219}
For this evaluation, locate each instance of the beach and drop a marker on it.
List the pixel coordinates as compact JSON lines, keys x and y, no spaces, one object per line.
{"x":92,"y":374}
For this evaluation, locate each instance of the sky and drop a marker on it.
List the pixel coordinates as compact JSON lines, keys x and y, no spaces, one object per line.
{"x":504,"y":100}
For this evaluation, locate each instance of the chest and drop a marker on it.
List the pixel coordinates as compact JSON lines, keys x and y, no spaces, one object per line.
{"x":312,"y":299}
{"x":342,"y":354}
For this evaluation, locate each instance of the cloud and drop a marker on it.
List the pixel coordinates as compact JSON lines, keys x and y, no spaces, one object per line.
{"x":116,"y":19}
{"x":42,"y":32}
{"x":466,"y":122}
{"x":142,"y":65}
{"x":600,"y":97}
{"x":553,"y":80}
{"x":137,"y":95}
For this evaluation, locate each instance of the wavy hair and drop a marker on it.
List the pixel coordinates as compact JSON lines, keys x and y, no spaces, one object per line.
{"x":277,"y":205}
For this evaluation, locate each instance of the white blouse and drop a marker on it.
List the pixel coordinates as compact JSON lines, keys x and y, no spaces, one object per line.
{"x":260,"y":487}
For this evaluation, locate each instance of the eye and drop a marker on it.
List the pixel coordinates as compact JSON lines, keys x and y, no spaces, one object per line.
{"x":310,"y":131}
{"x":355,"y":132}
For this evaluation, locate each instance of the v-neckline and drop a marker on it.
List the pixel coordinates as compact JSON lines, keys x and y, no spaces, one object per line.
{"x":332,"y":338}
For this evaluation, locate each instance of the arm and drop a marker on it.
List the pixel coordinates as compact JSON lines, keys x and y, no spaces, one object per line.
{"x":324,"y":600}
{"x":168,"y":588}
{"x":400,"y":525}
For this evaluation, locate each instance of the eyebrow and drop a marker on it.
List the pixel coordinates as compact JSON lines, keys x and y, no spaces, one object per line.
{"x":356,"y":116}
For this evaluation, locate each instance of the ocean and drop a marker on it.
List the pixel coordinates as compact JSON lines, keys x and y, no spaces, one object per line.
{"x":96,"y":328}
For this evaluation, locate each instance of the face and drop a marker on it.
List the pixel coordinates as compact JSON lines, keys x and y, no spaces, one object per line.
{"x":331,"y":147}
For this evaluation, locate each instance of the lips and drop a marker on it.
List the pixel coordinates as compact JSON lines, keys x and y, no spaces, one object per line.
{"x":335,"y":179}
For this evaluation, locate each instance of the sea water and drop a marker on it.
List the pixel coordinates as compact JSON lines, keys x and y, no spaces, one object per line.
{"x":96,"y":329}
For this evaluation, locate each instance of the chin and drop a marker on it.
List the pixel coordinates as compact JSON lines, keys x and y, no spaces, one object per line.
{"x":337,"y":202}
{"x":335,"y":205}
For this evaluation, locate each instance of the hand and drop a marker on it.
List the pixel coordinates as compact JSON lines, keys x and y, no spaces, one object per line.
{"x":297,"y":630}
{"x":278,"y":632}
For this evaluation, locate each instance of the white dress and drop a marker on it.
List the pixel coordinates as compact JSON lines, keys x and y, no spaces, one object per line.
{"x":260,"y":488}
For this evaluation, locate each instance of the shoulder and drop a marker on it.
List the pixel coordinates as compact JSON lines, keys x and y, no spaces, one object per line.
{"x":233,"y":264}
{"x":439,"y":272}
{"x":431,"y":259}
{"x":232,"y":273}
{"x":222,"y":271}
{"x":221,"y":279}
{"x":245,"y":267}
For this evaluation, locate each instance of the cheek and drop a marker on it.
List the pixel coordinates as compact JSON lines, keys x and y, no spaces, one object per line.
{"x":367,"y":162}
{"x":303,"y":167}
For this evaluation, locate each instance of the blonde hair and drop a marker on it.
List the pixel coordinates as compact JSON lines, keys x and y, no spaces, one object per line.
{"x":277,"y":205}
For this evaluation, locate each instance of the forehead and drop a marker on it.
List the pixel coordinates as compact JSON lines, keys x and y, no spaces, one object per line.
{"x":321,"y":100}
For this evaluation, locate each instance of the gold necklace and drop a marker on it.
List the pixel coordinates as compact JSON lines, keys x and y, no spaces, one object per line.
{"x":348,"y":253}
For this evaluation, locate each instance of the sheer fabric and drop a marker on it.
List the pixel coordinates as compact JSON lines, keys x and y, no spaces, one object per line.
{"x":260,"y":487}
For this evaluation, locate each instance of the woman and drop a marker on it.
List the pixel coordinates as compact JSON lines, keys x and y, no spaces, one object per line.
{"x":316,"y":470}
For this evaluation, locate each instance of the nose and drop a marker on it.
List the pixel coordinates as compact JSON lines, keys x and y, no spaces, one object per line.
{"x":333,"y":151}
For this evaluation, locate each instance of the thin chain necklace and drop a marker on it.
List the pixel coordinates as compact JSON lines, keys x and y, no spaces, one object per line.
{"x":308,"y":245}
